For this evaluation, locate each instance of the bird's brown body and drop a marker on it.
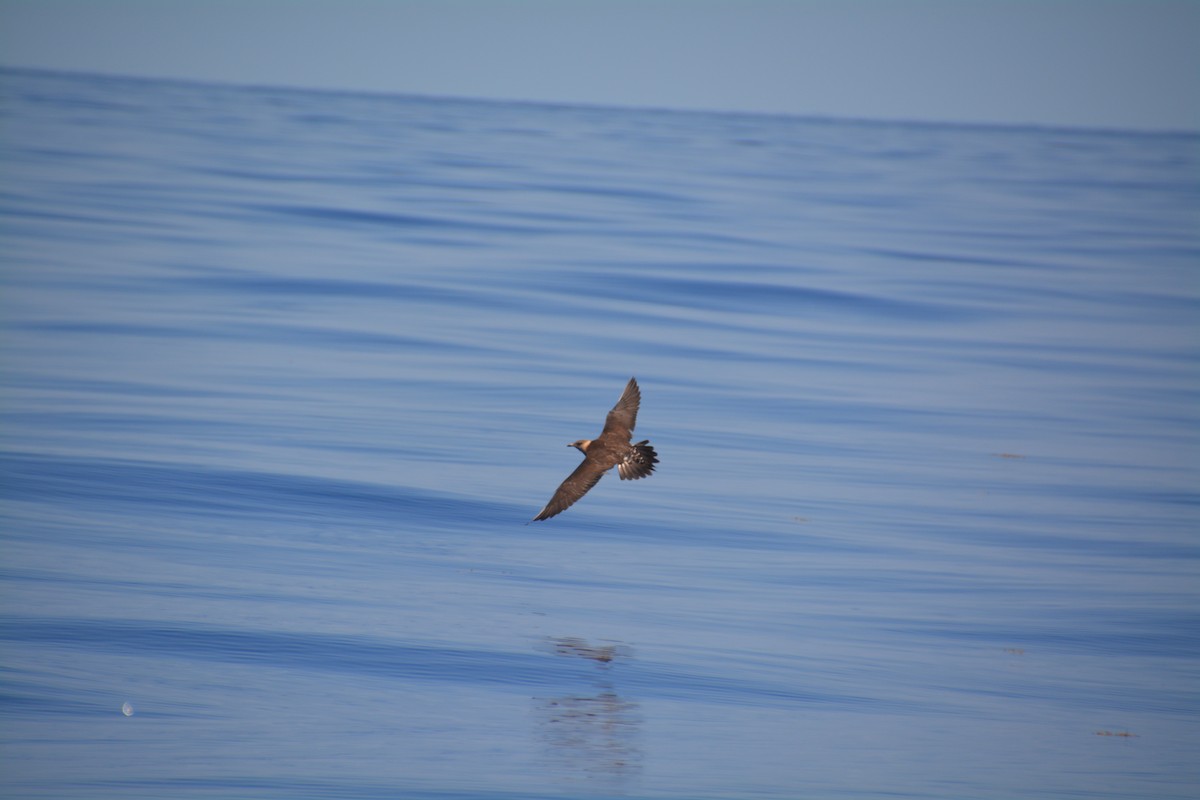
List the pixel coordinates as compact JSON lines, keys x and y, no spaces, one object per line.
{"x":612,"y":448}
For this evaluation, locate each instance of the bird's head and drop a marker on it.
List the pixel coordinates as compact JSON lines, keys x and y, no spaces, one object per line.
{"x":582,"y":445}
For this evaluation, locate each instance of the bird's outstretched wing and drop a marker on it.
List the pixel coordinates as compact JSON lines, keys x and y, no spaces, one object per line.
{"x":623,"y":416}
{"x":577,"y":484}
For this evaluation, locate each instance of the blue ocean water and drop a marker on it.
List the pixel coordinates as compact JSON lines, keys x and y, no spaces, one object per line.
{"x":285,"y":374}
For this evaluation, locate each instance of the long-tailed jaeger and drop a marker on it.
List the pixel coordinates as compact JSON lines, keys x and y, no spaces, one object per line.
{"x":612,"y":448}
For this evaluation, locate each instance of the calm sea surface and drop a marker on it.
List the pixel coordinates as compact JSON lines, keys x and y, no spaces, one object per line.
{"x":286,"y":373}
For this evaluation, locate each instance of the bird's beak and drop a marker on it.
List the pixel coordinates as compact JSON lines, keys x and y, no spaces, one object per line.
{"x":570,"y":444}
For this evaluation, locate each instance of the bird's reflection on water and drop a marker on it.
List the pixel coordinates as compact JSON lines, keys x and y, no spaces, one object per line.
{"x":591,"y":735}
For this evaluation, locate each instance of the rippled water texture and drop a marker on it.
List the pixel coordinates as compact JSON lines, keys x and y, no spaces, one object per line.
{"x":286,"y":374}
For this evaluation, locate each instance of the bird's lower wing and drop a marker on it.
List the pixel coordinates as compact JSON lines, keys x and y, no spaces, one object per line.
{"x":577,"y":484}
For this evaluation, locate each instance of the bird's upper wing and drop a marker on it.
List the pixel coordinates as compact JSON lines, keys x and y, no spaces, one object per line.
{"x":574,"y":487}
{"x":624,"y":413}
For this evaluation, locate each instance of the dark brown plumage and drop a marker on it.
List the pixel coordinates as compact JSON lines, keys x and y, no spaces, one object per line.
{"x":612,"y":448}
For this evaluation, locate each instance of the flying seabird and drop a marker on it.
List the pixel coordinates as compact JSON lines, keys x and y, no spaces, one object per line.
{"x":612,"y":448}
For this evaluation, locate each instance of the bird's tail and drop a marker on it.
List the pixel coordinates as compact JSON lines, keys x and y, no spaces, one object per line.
{"x":638,"y":462}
